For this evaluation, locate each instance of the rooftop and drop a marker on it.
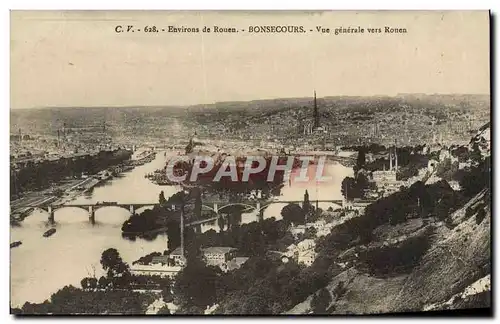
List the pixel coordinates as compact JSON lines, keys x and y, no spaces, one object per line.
{"x":236,"y":263}
{"x":218,"y":249}
{"x":155,"y":267}
{"x":177,"y":251}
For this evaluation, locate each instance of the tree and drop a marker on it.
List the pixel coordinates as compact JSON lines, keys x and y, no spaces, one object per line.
{"x":162,"y":199}
{"x":411,"y":170}
{"x":362,"y":184}
{"x":89,"y":283}
{"x":221,"y":222}
{"x":197,"y":204}
{"x":293,"y":213}
{"x":113,"y":264}
{"x":189,"y":147}
{"x":321,"y":301}
{"x":307,"y":204}
{"x":348,"y":188}
{"x":166,"y":294}
{"x":173,"y":234}
{"x":103,"y":282}
{"x":196,"y":285}
{"x":361,"y":160}
{"x":310,"y":233}
{"x":475,"y":155}
{"x":462,"y":153}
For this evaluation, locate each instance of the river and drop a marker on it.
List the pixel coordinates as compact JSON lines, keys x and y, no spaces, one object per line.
{"x":41,"y":266}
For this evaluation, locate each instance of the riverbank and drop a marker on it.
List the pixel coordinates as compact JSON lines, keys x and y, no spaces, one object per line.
{"x":65,"y":191}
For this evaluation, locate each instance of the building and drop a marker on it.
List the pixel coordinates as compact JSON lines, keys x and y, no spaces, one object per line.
{"x":177,"y":256}
{"x":162,"y":259}
{"x":320,"y":224}
{"x":314,"y":127}
{"x":234,"y":263}
{"x":389,"y":175}
{"x":306,"y":245}
{"x":155,"y":270}
{"x":455,"y":185}
{"x":303,"y":252}
{"x":307,"y":257}
{"x":361,"y":204}
{"x":386,"y":181}
{"x":296,"y":230}
{"x":218,"y":256}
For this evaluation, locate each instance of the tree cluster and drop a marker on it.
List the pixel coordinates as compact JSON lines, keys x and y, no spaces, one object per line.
{"x":353,"y":188}
{"x":40,"y":175}
{"x":71,"y":300}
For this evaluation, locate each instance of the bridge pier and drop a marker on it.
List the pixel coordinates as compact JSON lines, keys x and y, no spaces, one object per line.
{"x":216,"y":208}
{"x":92,"y":215}
{"x":260,"y":213}
{"x":132,"y":209}
{"x":50,"y":210}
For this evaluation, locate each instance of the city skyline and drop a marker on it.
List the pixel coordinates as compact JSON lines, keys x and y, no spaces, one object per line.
{"x":254,"y":100}
{"x":63,"y":60}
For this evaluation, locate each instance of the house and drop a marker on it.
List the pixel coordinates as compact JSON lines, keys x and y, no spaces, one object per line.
{"x":217,"y":256}
{"x":177,"y":256}
{"x":382,"y":176}
{"x":361,"y":204}
{"x":320,"y":224}
{"x":299,"y":229}
{"x":155,"y":270}
{"x":307,"y":257}
{"x":162,"y":259}
{"x":455,"y":185}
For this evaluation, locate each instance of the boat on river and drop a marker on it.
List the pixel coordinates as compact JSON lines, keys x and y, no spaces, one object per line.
{"x":15,"y":244}
{"x":50,"y":232}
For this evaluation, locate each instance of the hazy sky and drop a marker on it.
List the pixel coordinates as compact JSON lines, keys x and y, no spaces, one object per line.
{"x":77,"y":58}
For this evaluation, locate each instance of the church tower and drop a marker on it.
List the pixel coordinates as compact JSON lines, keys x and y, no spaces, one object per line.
{"x":316,"y":115}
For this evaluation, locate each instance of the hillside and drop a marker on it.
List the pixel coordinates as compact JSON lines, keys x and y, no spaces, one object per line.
{"x":457,"y":258}
{"x":447,"y":258}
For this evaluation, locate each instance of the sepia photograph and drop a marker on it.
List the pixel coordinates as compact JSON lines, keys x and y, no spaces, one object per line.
{"x":220,"y":163}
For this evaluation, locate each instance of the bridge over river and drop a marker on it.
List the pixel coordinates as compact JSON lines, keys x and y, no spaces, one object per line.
{"x":257,"y":206}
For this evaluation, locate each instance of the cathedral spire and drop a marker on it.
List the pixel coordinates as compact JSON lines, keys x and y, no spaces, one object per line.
{"x":316,"y":116}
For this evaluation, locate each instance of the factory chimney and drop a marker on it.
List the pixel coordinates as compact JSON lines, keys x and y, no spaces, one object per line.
{"x":396,"y":153}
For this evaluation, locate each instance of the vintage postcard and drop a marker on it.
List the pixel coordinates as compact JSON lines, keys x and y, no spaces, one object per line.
{"x":250,"y":162}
